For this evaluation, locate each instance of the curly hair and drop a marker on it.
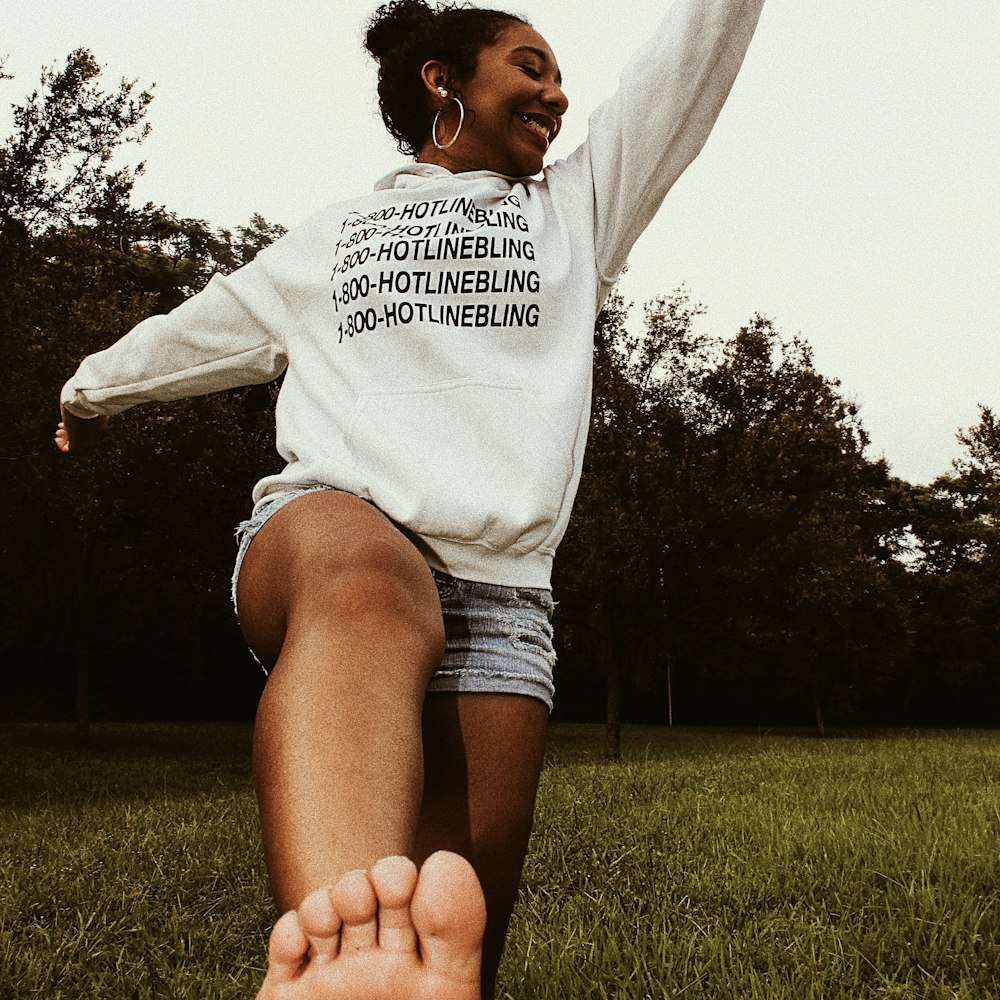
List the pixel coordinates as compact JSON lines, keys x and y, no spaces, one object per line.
{"x":403,"y":35}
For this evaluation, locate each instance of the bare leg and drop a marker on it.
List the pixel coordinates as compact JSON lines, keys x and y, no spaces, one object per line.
{"x":344,"y":608}
{"x":483,"y":756}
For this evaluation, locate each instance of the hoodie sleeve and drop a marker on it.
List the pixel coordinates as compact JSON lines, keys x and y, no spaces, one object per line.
{"x":229,"y":334}
{"x":669,"y":96}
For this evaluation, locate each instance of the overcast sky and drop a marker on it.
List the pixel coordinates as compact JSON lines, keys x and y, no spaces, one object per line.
{"x":849,"y":190}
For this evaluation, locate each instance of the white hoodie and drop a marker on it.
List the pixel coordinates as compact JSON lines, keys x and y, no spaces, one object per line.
{"x":436,"y":335}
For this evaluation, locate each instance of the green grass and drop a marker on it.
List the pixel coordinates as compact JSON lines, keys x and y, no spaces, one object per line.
{"x":709,"y":864}
{"x":132,"y":869}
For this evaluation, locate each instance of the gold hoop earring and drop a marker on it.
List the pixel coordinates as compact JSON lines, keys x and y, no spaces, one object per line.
{"x":437,"y":118}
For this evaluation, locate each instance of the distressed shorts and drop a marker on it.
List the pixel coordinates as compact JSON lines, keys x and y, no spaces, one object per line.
{"x":497,"y":639}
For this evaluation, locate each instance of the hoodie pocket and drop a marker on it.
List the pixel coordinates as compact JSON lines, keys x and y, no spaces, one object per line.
{"x":467,"y":461}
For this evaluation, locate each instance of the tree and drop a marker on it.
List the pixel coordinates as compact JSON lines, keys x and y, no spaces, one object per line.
{"x":609,"y":571}
{"x":55,"y":169}
{"x":82,"y":265}
{"x":728,"y":524}
{"x":786,"y":494}
{"x":956,"y":575}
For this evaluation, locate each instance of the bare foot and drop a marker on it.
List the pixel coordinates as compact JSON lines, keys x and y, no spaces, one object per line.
{"x":388,"y":935}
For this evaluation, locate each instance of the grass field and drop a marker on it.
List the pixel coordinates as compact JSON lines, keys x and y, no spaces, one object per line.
{"x":709,"y":864}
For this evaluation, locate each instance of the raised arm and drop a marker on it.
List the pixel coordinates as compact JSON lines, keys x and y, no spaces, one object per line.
{"x":669,"y":97}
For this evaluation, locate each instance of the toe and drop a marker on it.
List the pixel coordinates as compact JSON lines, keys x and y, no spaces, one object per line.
{"x":355,"y":901}
{"x":287,"y":950}
{"x":320,"y":922}
{"x":394,"y":880}
{"x":449,"y":914}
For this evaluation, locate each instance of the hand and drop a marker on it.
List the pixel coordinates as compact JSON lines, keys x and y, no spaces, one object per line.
{"x":76,"y":434}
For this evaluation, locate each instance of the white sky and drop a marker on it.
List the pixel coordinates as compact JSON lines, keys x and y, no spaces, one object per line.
{"x":850,"y":191}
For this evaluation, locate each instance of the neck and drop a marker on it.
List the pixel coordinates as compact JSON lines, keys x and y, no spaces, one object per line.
{"x":447,"y":158}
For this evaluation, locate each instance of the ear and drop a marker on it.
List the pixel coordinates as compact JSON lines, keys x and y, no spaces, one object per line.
{"x":435,"y":75}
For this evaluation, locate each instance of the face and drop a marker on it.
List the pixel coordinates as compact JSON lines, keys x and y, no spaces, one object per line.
{"x":514,"y":107}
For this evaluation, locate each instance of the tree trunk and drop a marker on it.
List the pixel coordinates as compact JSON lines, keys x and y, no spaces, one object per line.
{"x":81,"y":624}
{"x":670,"y":690}
{"x":909,"y":698}
{"x":818,"y":706}
{"x":82,"y":703}
{"x":613,"y":731}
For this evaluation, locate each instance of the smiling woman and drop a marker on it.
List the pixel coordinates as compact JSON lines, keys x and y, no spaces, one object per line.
{"x":515,"y":103}
{"x":436,"y":338}
{"x":484,"y":77}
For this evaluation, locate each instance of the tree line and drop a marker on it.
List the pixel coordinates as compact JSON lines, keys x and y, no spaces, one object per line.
{"x":735,"y":556}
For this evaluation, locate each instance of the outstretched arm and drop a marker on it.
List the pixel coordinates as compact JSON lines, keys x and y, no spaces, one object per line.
{"x":671,"y":93}
{"x":78,"y":434}
{"x":231,"y":333}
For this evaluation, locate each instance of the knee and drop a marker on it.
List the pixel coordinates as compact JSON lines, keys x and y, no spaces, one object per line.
{"x":378,"y":588}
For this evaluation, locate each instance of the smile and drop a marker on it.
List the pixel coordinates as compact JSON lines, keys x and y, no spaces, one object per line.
{"x":541,"y":125}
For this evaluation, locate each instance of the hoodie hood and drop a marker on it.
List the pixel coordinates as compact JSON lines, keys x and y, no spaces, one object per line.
{"x":417,"y":175}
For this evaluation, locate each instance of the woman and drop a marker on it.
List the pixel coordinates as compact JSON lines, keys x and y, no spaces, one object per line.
{"x":436,"y":339}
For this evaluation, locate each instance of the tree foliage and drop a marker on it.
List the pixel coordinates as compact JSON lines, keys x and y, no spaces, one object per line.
{"x":94,"y":573}
{"x":55,"y":170}
{"x":956,"y":577}
{"x":729,"y":525}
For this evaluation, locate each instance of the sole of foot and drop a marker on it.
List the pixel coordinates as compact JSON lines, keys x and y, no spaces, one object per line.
{"x":389,"y":934}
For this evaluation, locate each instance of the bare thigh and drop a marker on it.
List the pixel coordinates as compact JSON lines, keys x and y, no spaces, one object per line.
{"x":319,"y":553}
{"x":344,"y":611}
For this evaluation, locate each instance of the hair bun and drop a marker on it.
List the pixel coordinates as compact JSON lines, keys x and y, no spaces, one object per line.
{"x":394,"y":23}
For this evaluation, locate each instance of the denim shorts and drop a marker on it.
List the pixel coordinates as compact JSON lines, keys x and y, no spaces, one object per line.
{"x":497,"y":639}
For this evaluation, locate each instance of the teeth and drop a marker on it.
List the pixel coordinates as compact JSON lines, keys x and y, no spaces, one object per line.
{"x":536,"y":126}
